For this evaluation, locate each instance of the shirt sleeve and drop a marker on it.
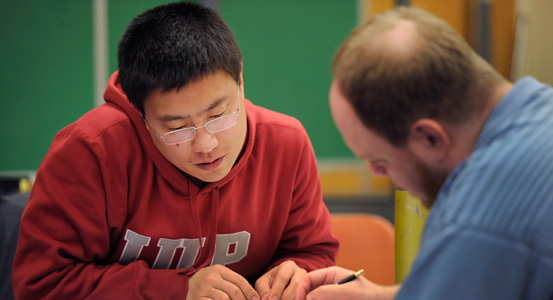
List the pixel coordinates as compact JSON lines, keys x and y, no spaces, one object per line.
{"x":468,"y":264}
{"x":66,"y":231}
{"x":307,"y":238}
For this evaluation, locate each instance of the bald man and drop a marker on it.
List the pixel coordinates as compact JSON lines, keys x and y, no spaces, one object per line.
{"x":412,"y":98}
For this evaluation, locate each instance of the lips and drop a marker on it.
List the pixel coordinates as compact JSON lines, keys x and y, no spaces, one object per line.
{"x":208,"y":166}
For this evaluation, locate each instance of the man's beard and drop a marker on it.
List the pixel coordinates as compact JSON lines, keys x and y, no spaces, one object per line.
{"x":431,"y":180}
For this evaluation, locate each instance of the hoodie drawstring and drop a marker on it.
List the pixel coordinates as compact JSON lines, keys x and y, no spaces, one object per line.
{"x":210,"y":241}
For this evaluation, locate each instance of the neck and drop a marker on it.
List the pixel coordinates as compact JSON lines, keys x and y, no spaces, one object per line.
{"x":466,"y":135}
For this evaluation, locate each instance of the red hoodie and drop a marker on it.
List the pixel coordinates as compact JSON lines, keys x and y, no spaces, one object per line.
{"x":110,"y":218}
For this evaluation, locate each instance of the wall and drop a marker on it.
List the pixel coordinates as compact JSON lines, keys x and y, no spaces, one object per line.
{"x":534,"y":40}
{"x":46,"y":60}
{"x":45,"y":77}
{"x":288,"y":47}
{"x":462,"y":16}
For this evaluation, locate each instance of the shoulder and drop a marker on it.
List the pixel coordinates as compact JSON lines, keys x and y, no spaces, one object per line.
{"x":103,"y":122}
{"x":505,"y":193}
{"x":471,"y":254}
{"x":276,"y":124}
{"x":102,"y":118}
{"x":508,"y":176}
{"x":99,"y":134}
{"x":279,"y":138}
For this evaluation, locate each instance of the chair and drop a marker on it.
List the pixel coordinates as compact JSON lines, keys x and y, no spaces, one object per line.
{"x":11,"y":208}
{"x":366,"y":242}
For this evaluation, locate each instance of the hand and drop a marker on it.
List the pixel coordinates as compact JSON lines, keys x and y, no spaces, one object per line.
{"x":321,"y":285}
{"x":219,"y":282}
{"x":280,"y":282}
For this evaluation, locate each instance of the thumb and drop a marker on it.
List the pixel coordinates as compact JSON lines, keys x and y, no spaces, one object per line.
{"x":327,"y":291}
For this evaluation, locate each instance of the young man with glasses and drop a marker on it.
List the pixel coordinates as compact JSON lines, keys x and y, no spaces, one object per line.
{"x":177,"y":187}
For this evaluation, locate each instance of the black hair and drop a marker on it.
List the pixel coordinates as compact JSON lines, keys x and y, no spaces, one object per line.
{"x":171,"y":45}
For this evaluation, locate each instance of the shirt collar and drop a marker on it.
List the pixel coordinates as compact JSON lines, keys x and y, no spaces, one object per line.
{"x":513,"y":101}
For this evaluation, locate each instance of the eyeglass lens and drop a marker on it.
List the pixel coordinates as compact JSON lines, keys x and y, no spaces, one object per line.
{"x":213,"y":126}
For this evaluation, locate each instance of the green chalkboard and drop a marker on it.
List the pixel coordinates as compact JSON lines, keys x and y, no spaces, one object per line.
{"x":120,"y":14}
{"x":46,"y":63}
{"x":288,"y":47}
{"x":45,"y":75}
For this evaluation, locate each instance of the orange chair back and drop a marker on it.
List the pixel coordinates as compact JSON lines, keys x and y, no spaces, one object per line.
{"x":366,"y":242}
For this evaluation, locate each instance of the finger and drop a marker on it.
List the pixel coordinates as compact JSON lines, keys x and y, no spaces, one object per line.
{"x":330,"y":275}
{"x":266,"y":283}
{"x":318,"y":278}
{"x":262,"y":285}
{"x":328,"y":291}
{"x":221,"y":294}
{"x":237,"y":285}
{"x":290,"y":291}
{"x":230,"y":290}
{"x":304,"y":287}
{"x":286,"y":280}
{"x":280,"y":281}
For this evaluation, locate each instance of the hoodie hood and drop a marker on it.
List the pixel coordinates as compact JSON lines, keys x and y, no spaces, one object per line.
{"x":114,"y":95}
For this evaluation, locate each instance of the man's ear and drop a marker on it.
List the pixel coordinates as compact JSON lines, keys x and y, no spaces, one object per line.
{"x":429,"y":140}
{"x":146,"y":123}
{"x":241,"y":79}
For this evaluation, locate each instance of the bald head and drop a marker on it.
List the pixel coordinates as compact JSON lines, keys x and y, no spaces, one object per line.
{"x":407,"y":64}
{"x":389,"y":35}
{"x":398,"y":42}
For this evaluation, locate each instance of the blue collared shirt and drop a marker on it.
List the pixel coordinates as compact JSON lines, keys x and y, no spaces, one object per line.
{"x":490,"y":232}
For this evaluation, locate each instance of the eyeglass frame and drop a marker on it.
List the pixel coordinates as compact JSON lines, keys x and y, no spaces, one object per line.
{"x":194,"y":129}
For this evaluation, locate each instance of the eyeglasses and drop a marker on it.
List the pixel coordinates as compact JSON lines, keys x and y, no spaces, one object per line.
{"x":184,"y":135}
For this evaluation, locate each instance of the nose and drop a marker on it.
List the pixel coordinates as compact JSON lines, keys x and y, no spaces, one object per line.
{"x":204,"y":142}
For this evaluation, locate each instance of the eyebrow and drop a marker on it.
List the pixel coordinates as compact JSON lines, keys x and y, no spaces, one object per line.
{"x":169,"y":118}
